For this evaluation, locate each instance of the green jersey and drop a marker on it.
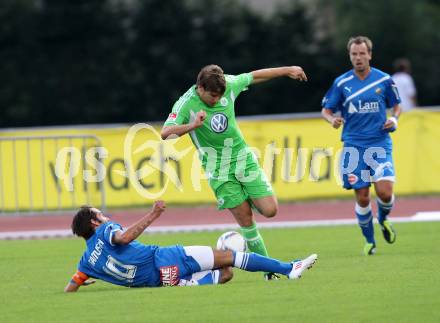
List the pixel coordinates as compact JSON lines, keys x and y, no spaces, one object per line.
{"x":219,"y":139}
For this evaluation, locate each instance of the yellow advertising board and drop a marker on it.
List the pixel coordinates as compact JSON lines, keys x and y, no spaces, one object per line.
{"x":300,"y":157}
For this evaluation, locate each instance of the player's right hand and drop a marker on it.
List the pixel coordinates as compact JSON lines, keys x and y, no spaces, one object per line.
{"x":200,"y":117}
{"x":337,"y":122}
{"x":159,"y":206}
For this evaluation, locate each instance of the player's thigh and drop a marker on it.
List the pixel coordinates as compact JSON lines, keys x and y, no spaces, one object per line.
{"x":257,"y":185}
{"x":229,"y":194}
{"x":384,"y":190}
{"x":260,"y":191}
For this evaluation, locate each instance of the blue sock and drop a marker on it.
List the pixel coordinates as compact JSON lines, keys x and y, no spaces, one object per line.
{"x":365,"y":221}
{"x":383,"y":209}
{"x":211,"y":278}
{"x":256,"y":262}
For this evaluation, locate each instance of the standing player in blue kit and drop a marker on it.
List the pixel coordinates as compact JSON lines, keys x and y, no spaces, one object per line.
{"x":362,"y":96}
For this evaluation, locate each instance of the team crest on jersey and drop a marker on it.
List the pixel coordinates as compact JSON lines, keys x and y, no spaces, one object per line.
{"x":378,"y":90}
{"x":352,"y":179}
{"x":223,"y":101}
{"x":219,"y":122}
{"x":231,"y":78}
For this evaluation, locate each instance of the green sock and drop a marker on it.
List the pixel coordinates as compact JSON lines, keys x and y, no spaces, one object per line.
{"x":254,"y":240}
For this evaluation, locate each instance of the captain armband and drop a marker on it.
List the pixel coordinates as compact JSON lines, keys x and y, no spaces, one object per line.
{"x":79,"y":278}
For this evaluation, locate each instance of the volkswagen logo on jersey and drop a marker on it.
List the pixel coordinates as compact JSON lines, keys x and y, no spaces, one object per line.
{"x":219,"y":122}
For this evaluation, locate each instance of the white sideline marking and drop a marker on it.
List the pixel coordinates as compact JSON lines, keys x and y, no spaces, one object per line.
{"x":427,"y":216}
{"x":43,"y":234}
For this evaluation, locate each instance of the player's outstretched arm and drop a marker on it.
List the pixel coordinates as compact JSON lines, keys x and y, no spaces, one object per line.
{"x":71,"y":287}
{"x":78,"y":280}
{"x":136,"y":229}
{"x":266,"y":74}
{"x":180,"y":130}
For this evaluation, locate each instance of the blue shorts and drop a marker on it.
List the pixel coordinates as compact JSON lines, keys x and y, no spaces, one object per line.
{"x":173,"y":265}
{"x":361,"y":166}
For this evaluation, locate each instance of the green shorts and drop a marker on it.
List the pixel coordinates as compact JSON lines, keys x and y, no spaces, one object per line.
{"x":234,"y":190}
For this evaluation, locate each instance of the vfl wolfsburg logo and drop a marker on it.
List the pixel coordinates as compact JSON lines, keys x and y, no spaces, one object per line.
{"x":223,"y":102}
{"x":219,"y":122}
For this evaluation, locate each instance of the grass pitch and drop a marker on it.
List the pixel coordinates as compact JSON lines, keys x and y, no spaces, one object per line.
{"x":399,"y":284}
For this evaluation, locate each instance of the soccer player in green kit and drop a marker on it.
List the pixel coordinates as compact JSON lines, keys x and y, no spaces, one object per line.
{"x":206,"y":112}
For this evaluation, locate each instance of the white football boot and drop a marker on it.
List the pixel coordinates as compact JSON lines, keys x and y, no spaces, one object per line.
{"x":298,"y":266}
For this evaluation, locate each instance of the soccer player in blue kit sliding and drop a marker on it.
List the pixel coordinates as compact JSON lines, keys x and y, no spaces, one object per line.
{"x":362,"y":96}
{"x":113,"y":255}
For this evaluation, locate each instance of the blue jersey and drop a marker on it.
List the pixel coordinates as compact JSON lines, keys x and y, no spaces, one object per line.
{"x":128,"y":265}
{"x":363,"y":105}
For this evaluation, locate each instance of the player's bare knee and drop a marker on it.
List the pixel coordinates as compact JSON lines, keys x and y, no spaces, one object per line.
{"x":270,"y":212}
{"x":385,"y":197}
{"x":226,"y":274}
{"x":363,"y":201}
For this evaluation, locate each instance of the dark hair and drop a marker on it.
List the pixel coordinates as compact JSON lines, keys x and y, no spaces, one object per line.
{"x":82,"y":222}
{"x":359,"y":40}
{"x":212,"y":79}
{"x":402,"y":65}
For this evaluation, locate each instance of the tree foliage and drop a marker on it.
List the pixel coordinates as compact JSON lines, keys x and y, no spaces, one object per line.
{"x":99,"y":61}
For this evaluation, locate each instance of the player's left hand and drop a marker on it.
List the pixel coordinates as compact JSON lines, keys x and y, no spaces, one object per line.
{"x":390,"y":125}
{"x":159,"y":206}
{"x":296,"y":73}
{"x":157,"y":210}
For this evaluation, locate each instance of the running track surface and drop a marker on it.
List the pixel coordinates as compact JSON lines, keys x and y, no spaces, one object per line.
{"x":209,"y":217}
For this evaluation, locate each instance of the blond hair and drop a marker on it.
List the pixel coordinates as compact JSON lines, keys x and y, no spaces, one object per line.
{"x":359,"y":40}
